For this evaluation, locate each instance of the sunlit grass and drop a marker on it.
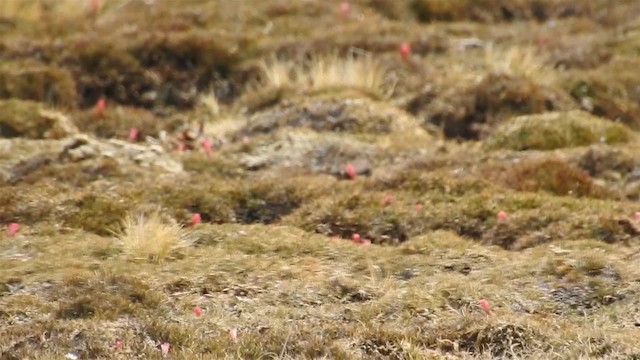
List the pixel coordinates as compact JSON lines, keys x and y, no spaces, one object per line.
{"x":151,"y":237}
{"x":326,"y":72}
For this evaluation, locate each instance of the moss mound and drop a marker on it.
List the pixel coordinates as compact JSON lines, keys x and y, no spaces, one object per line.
{"x":499,"y":10}
{"x":341,"y":113}
{"x":557,"y":130}
{"x":554,"y":176}
{"x":116,"y":122}
{"x":610,"y":91}
{"x":29,"y":80}
{"x":321,"y":126}
{"x":30,"y":119}
{"x":472,"y":111}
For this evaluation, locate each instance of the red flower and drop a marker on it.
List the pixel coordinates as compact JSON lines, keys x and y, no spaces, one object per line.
{"x":355,"y":238}
{"x":206,"y":145}
{"x":405,"y":50}
{"x":350,"y":171}
{"x":345,"y":8}
{"x":101,"y":106}
{"x":484,"y":305}
{"x":133,"y":134}
{"x":13,"y":228}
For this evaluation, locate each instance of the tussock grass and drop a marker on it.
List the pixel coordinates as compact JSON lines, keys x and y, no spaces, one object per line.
{"x":151,"y":237}
{"x":31,"y":10}
{"x":210,"y":104}
{"x":274,"y":256}
{"x":517,"y":61}
{"x":326,"y":72}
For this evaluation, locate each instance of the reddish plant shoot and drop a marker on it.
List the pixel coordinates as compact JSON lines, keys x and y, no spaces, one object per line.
{"x":345,"y":9}
{"x":484,"y":305}
{"x":388,"y":199}
{"x":101,"y":106}
{"x":195,"y":219}
{"x":94,"y":6}
{"x":502,"y":216}
{"x":206,"y":145}
{"x":233,"y":335}
{"x":12,"y":229}
{"x":164,"y":348}
{"x":405,"y":51}
{"x":350,"y":171}
{"x":355,"y":238}
{"x":197,"y":311}
{"x":119,"y":345}
{"x":133,"y":134}
{"x":418,"y":207}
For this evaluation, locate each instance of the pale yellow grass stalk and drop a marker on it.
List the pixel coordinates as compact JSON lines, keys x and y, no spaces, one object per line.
{"x":518,"y":61}
{"x":325,"y":72}
{"x":276,"y":73}
{"x":152,"y":238}
{"x":214,"y":120}
{"x":35,"y":9}
{"x":210,"y":103}
{"x":32,"y":10}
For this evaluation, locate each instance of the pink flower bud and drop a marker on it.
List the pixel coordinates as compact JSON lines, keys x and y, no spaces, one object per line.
{"x":484,"y":305}
{"x":405,"y":51}
{"x":133,"y":134}
{"x":233,"y":335}
{"x":206,"y":145}
{"x":101,"y":106}
{"x":164,"y":348}
{"x":350,"y":171}
{"x":94,"y":6}
{"x":12,"y":229}
{"x":345,"y":9}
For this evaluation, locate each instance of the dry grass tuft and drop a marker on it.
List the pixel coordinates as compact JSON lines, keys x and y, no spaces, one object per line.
{"x":326,"y":72}
{"x":523,"y":62}
{"x":210,"y":104}
{"x":151,"y":237}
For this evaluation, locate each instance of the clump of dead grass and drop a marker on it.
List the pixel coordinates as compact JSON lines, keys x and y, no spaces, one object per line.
{"x":152,"y":237}
{"x":325,"y":72}
{"x":522,"y":62}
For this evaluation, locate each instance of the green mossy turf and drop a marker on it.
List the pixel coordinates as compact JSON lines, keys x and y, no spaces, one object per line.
{"x":497,"y":161}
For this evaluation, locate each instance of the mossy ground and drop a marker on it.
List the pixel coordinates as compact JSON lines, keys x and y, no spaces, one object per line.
{"x":524,"y":107}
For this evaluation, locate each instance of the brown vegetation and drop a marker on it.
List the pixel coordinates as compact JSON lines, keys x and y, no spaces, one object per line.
{"x":296,"y":179}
